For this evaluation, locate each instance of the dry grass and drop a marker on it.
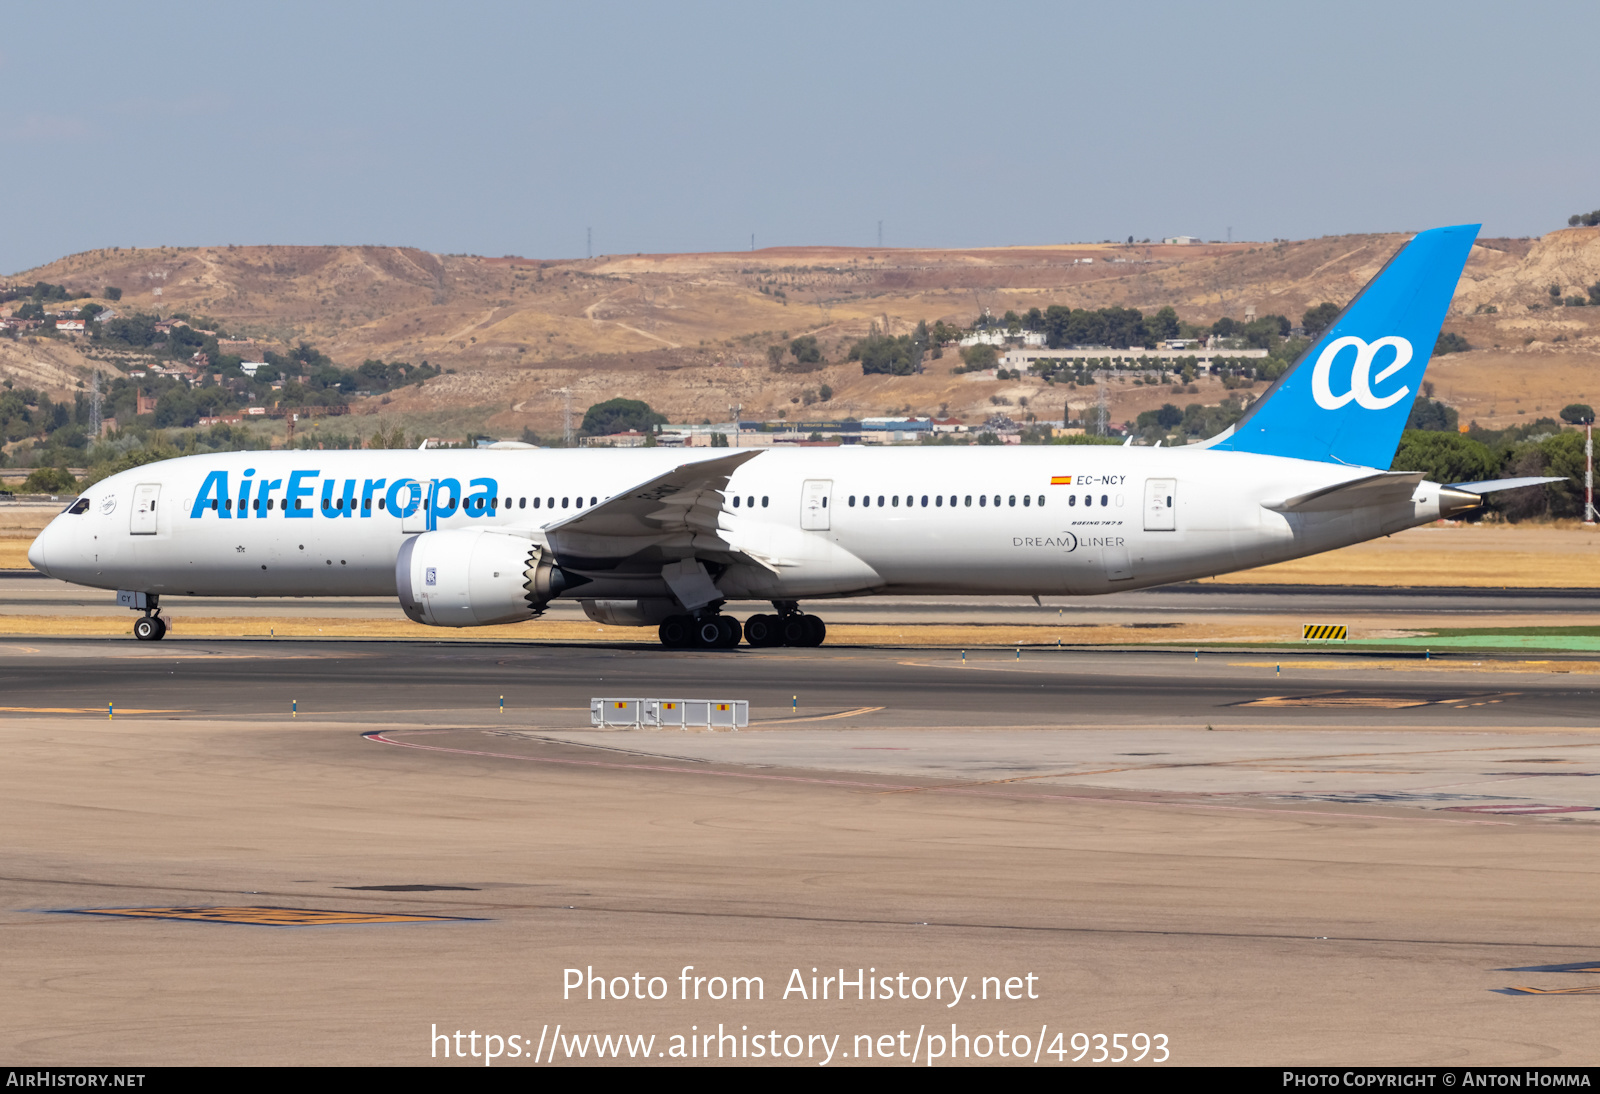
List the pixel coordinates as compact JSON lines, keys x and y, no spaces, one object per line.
{"x":184,"y":626}
{"x":14,"y":552}
{"x":1483,"y":556}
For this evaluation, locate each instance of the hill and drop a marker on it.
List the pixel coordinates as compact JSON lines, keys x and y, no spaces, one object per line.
{"x":690,"y":332}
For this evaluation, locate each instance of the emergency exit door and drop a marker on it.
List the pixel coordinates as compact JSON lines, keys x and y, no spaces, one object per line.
{"x":420,"y":503}
{"x":1160,"y":509}
{"x":142,"y":520}
{"x":814,"y":505}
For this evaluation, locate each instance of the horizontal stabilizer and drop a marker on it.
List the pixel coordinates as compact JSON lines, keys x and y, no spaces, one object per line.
{"x":1384,"y":488}
{"x":1489,"y":486}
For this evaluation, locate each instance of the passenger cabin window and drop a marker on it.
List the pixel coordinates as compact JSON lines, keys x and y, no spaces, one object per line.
{"x":763,"y":501}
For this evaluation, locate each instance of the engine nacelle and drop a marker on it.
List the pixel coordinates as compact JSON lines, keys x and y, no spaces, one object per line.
{"x":472,"y":577}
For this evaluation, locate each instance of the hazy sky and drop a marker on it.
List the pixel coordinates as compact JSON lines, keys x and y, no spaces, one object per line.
{"x":510,"y":128}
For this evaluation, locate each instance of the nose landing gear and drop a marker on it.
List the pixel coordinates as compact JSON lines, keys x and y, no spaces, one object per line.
{"x":151,"y":627}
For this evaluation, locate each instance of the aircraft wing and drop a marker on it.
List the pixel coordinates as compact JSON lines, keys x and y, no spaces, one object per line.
{"x":1382,"y":488}
{"x":677,"y":513}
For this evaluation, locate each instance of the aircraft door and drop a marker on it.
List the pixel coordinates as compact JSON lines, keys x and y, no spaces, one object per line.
{"x":814,"y":505}
{"x":420,"y":519}
{"x":142,"y":519}
{"x":1160,"y":508}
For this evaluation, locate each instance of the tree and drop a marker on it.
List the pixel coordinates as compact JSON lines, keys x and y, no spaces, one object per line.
{"x":111,"y":292}
{"x":775,"y":355}
{"x":1450,"y":342}
{"x":49,"y":480}
{"x":1163,"y":324}
{"x":882,"y":354}
{"x":1555,"y":292}
{"x":620,"y":416}
{"x":805,"y":350}
{"x":825,"y":393}
{"x":1445,"y":457}
{"x":719,"y":440}
{"x":979,"y":357}
{"x":1320,"y":318}
{"x":1577,"y":413}
{"x":1433,"y":415}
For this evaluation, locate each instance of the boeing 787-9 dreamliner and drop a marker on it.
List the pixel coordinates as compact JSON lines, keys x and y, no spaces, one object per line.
{"x":670,"y":539}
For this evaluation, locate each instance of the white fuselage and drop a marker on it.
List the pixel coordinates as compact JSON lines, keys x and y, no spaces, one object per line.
{"x":1044,"y":520}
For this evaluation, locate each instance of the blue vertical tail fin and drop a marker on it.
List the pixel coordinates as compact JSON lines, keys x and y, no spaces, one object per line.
{"x":1347,"y":398}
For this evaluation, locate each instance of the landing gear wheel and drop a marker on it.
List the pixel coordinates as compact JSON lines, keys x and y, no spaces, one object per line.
{"x":675,"y":632}
{"x":816,"y":630}
{"x":732,"y":632}
{"x":762,"y":631}
{"x":149,"y":628}
{"x":161,"y":628}
{"x":794,"y":629}
{"x":708,"y":632}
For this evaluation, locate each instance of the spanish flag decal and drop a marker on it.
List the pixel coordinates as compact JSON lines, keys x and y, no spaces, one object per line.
{"x":1060,"y":480}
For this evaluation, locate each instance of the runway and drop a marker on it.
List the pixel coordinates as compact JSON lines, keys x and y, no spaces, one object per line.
{"x":26,"y":592}
{"x":1348,"y":864}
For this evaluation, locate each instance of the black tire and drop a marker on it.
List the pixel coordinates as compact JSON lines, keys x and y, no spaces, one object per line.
{"x":144,"y":629}
{"x":761,"y":631}
{"x":161,"y":629}
{"x":816,"y":630}
{"x":674,"y":632}
{"x":732,"y":632}
{"x":793,"y":629}
{"x":708,"y":632}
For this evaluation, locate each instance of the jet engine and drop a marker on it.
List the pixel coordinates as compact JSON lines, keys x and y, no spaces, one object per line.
{"x":472,"y":577}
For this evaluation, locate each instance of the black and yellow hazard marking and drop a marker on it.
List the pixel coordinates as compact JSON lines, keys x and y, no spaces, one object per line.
{"x":271,"y":917}
{"x":1324,"y":632}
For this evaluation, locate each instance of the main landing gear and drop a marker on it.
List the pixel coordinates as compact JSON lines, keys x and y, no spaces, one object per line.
{"x":713,"y":631}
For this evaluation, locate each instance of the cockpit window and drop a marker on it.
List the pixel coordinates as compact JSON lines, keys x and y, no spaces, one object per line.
{"x":79,"y":506}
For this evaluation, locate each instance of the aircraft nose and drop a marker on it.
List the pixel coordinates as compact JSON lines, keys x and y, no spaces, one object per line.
{"x":36,"y":553}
